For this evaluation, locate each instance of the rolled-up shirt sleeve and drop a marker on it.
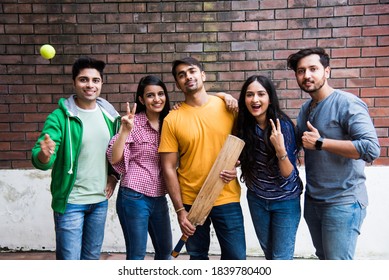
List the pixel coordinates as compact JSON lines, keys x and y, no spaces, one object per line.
{"x":119,"y":167}
{"x":362,"y":131}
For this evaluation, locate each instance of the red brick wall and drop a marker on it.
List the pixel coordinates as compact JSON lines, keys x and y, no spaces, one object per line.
{"x":234,"y":39}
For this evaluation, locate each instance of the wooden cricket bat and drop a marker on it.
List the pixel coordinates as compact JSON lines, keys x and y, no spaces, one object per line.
{"x":212,"y":186}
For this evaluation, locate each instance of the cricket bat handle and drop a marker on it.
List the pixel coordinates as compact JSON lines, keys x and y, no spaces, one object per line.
{"x":176,"y":251}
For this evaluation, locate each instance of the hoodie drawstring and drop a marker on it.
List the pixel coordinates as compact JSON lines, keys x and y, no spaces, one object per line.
{"x":71,"y":150}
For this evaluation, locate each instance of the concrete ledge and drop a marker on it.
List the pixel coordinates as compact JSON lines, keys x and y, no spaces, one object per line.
{"x":27,"y":223}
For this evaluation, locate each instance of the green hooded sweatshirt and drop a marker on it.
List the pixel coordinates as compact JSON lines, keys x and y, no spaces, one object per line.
{"x":66,"y":129}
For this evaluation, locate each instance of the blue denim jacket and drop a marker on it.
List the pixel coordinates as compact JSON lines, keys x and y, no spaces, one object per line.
{"x":332,"y":178}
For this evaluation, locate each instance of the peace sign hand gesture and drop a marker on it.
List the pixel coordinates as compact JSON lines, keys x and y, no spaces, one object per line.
{"x":277,"y":138}
{"x":127,"y":121}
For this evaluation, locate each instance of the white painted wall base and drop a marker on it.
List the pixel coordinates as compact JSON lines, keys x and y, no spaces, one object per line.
{"x":27,"y":224}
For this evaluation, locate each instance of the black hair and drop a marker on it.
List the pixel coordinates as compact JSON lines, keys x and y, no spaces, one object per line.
{"x":245,"y":126}
{"x":87,"y":62}
{"x":293,"y":59}
{"x":187,"y":61}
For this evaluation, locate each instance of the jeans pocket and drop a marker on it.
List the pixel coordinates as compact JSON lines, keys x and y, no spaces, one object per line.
{"x":128,"y":193}
{"x":361,"y":205}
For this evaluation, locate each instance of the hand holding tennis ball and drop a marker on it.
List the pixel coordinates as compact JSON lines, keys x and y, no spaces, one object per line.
{"x":47,"y":51}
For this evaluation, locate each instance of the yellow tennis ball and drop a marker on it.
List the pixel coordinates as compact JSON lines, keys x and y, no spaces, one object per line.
{"x":47,"y":51}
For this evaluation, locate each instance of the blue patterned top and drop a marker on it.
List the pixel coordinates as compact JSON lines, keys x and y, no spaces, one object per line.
{"x":268,"y":182}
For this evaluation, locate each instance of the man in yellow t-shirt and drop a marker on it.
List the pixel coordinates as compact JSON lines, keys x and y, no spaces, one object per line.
{"x":191,"y":139}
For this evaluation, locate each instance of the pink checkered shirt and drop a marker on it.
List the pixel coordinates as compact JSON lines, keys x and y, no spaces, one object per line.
{"x":140,"y":166}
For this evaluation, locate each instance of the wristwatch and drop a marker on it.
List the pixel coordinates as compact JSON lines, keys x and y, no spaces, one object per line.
{"x":319,"y":143}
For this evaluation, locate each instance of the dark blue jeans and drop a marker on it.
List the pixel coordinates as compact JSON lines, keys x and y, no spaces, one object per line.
{"x":275,"y":224}
{"x":140,"y":214}
{"x":227,"y":221}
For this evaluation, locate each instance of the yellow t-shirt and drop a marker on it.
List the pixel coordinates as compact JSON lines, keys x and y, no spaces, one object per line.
{"x":198,"y":134}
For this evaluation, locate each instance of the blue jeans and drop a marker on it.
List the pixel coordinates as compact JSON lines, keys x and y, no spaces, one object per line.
{"x":227,"y":221}
{"x":140,"y":214}
{"x":334,"y":228}
{"x":80,"y":231}
{"x":275,"y":224}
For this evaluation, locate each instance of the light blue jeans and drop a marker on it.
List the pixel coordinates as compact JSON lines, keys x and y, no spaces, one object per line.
{"x":80,"y":231}
{"x":140,"y":214}
{"x":275,"y":223}
{"x":334,"y":228}
{"x":227,"y":221}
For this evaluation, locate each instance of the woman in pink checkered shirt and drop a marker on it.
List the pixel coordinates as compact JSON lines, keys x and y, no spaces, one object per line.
{"x":141,"y":202}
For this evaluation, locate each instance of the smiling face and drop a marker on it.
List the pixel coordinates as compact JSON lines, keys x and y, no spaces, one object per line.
{"x":154,"y":99}
{"x":189,"y":78}
{"x":87,"y":86}
{"x":257,"y":101}
{"x":311,"y":75}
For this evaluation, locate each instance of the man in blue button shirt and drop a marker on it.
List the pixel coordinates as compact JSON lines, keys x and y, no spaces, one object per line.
{"x":338,"y":137}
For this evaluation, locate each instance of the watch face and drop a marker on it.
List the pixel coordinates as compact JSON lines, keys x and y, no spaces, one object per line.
{"x":319,"y":143}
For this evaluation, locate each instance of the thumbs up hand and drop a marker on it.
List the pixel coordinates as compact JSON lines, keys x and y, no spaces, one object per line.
{"x":309,"y":137}
{"x":47,"y":145}
{"x":47,"y":149}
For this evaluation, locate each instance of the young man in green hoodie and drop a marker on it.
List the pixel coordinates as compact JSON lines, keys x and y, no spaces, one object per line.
{"x":73,"y":143}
